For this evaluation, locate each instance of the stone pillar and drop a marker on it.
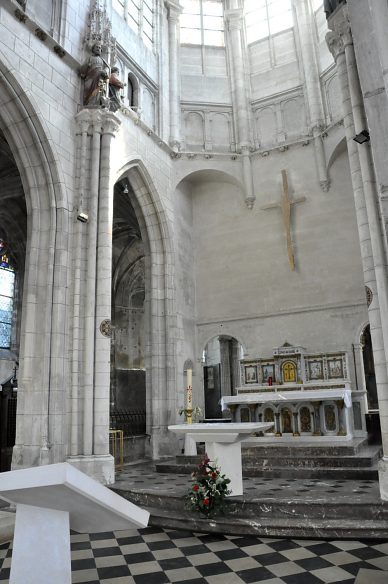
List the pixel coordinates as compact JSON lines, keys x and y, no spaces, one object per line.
{"x":92,"y":348}
{"x":102,"y":321}
{"x":313,"y":96}
{"x":366,"y":213}
{"x":236,"y":368}
{"x":173,"y":12}
{"x":375,"y":226}
{"x":234,"y":18}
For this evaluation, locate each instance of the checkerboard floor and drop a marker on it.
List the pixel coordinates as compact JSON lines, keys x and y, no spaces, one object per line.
{"x":162,"y":556}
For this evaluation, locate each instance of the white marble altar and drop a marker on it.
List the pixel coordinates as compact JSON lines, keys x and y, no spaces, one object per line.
{"x":49,"y":501}
{"x":328,"y":410}
{"x":223,"y":445}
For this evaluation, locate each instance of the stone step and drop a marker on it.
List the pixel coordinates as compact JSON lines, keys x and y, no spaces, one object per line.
{"x":271,"y":517}
{"x":304,"y":449}
{"x":273,"y":471}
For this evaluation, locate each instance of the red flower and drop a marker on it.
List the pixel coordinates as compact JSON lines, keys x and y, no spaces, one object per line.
{"x":206,"y":501}
{"x":196,"y":488}
{"x":214,"y":475}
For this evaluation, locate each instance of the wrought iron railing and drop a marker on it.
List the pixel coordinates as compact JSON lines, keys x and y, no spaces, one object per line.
{"x":131,"y":422}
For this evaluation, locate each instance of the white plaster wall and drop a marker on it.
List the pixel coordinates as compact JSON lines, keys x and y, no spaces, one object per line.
{"x":245,"y":287}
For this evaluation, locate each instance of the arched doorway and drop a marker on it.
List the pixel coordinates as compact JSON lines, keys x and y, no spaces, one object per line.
{"x":221,"y":372}
{"x":372,"y":416}
{"x":13,"y":236}
{"x":35,"y":225}
{"x":128,"y":371}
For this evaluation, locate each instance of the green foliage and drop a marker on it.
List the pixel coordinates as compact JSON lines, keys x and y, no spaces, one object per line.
{"x":209,"y":489}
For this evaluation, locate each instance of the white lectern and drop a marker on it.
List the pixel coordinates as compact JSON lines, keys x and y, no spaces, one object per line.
{"x":49,"y":501}
{"x":223,"y":444}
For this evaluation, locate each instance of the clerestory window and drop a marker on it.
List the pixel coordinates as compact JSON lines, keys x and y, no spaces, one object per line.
{"x":140,"y":15}
{"x":7,"y":289}
{"x":264,"y":18}
{"x":202,"y":23}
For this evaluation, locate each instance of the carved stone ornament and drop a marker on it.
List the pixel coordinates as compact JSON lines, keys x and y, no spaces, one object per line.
{"x":100,"y":30}
{"x":20,"y":15}
{"x":369,"y":295}
{"x":106,"y":328}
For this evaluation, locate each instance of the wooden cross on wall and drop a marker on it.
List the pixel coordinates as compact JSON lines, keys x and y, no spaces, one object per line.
{"x":285,"y":205}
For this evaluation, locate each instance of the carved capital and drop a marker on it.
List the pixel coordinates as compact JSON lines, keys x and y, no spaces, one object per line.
{"x":234,"y":18}
{"x":335,"y":44}
{"x":174,"y":9}
{"x":110,"y":123}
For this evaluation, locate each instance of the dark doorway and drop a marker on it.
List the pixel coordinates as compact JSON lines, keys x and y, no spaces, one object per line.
{"x":372,"y":416}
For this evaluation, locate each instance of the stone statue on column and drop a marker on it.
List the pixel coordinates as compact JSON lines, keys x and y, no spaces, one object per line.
{"x":95,"y":72}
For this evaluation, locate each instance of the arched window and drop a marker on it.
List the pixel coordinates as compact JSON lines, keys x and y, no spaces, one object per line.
{"x":264,"y":18}
{"x":7,"y":288}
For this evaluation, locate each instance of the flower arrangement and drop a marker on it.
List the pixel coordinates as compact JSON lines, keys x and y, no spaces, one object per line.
{"x":209,"y":489}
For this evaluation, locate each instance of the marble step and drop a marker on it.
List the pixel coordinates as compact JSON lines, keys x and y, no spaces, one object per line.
{"x":273,"y":471}
{"x":271,"y":518}
{"x":305,"y":449}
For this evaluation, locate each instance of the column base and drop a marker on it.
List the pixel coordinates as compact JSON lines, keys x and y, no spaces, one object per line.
{"x":383,"y":478}
{"x":99,"y":467}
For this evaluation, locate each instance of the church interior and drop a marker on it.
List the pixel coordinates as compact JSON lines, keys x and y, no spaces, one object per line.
{"x":194,"y":238}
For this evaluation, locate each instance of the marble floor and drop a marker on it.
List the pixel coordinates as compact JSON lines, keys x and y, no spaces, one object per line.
{"x":144,"y":478}
{"x":159,"y":556}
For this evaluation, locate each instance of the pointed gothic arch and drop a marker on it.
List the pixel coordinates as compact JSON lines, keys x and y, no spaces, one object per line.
{"x":43,"y":323}
{"x":159,"y":304}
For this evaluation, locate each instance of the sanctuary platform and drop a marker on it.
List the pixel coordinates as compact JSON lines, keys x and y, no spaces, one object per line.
{"x":269,"y":507}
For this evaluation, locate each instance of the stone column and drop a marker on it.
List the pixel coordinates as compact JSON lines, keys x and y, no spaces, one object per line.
{"x":308,"y":54}
{"x":365,"y":202}
{"x":234,"y":18}
{"x":90,"y":284}
{"x":173,"y":12}
{"x":376,"y":235}
{"x":91,"y":366}
{"x":102,"y":321}
{"x":236,"y":368}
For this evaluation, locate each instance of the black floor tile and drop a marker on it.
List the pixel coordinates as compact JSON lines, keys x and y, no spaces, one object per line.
{"x":323,"y":548}
{"x":311,"y":564}
{"x":270,"y":559}
{"x":254,"y":575}
{"x":161,"y":545}
{"x":103,"y":535}
{"x":85,"y":564}
{"x":113,"y":572}
{"x":213,"y":569}
{"x":153,"y":578}
{"x":174,"y":563}
{"x":283,"y":544}
{"x":231,"y":554}
{"x":108,"y":551}
{"x":139,"y":558}
{"x":80,"y":545}
{"x":303,"y":578}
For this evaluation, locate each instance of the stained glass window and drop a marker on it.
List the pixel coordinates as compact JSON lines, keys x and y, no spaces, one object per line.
{"x":7,"y":285}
